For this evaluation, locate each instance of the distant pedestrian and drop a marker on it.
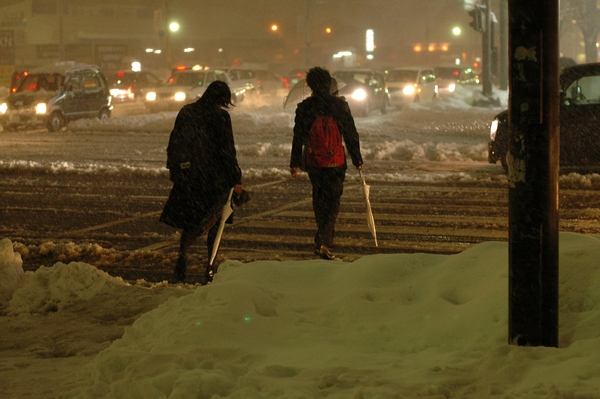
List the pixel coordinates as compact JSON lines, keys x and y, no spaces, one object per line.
{"x":201,"y":158}
{"x":322,"y":121}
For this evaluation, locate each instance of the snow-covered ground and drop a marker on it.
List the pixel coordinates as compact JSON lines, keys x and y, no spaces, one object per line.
{"x":447,"y":130}
{"x":448,"y":134}
{"x":383,"y":326}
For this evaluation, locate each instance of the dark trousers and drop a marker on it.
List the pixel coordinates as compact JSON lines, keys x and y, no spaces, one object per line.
{"x":190,"y":235}
{"x":327,"y":188}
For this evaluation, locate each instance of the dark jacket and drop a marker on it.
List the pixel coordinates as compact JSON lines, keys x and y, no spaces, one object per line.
{"x":326,"y":105}
{"x":202,"y":161}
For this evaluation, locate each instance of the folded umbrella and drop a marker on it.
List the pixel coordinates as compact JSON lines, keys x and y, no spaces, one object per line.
{"x":370,"y":220}
{"x":225,"y":213}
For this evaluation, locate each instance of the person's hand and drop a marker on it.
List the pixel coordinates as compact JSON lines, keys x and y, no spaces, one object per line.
{"x":294,"y":172}
{"x":238,"y":188}
{"x":359,"y":167}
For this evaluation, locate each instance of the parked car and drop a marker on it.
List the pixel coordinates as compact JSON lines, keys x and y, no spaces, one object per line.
{"x":53,"y":95}
{"x":411,"y":85}
{"x":132,"y":85}
{"x":448,"y":77}
{"x":364,"y":89}
{"x":186,"y":85}
{"x":579,"y":115}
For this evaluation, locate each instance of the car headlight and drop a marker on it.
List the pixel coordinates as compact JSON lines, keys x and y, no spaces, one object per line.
{"x":493,"y":129}
{"x":452,"y":87}
{"x":40,"y":108}
{"x":151,"y":96}
{"x":359,"y":94}
{"x":114,"y":92}
{"x":409,"y":90}
{"x":3,"y":108}
{"x":179,"y":96}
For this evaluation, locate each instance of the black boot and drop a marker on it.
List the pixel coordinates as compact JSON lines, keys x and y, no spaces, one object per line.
{"x":180,"y":268}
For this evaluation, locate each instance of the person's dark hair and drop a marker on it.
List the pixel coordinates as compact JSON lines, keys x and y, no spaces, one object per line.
{"x":218,"y":93}
{"x":319,"y":80}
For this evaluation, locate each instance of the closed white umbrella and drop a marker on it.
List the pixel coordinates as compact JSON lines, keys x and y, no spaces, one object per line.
{"x":370,"y":220}
{"x":225,"y":213}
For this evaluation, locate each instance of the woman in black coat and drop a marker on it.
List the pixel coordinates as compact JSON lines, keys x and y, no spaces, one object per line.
{"x":202,"y":161}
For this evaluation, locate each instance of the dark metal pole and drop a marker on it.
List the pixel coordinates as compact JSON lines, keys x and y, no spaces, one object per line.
{"x":307,"y":34}
{"x":486,"y":51}
{"x":503,"y":51}
{"x":60,"y":22}
{"x":533,"y":165}
{"x":167,"y":36}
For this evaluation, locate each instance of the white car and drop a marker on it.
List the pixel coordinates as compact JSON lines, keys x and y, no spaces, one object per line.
{"x":411,"y":85}
{"x":186,"y":85}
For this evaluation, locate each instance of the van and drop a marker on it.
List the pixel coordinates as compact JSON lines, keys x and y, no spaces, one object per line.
{"x":52,"y":95}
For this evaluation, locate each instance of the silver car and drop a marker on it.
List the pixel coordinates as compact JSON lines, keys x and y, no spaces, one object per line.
{"x":411,"y":85}
{"x":185,"y":86}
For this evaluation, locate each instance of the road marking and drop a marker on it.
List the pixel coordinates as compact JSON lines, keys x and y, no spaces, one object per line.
{"x":110,"y":224}
{"x":145,"y":215}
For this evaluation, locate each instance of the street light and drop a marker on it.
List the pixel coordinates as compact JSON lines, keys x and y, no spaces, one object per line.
{"x":174,"y":26}
{"x":456,"y":31}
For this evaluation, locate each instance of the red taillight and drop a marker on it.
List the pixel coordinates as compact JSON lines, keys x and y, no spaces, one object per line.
{"x":299,"y":74}
{"x":120,"y":74}
{"x":180,"y":68}
{"x":455,"y":73}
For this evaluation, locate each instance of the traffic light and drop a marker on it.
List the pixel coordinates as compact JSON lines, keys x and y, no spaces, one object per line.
{"x":478,"y":18}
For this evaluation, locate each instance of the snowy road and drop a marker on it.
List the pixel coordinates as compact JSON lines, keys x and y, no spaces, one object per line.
{"x":93,"y":193}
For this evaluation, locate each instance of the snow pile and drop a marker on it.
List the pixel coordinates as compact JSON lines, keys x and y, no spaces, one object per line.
{"x":385,"y":325}
{"x":50,"y":289}
{"x":11,"y":272}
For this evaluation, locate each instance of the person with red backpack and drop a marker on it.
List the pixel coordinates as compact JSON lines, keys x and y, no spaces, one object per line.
{"x":323,"y":123}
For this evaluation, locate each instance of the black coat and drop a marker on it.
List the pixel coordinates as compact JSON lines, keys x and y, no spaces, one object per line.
{"x":202,"y":161}
{"x":329,"y":105}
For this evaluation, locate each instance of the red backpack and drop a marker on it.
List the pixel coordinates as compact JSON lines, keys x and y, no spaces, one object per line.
{"x":325,"y":149}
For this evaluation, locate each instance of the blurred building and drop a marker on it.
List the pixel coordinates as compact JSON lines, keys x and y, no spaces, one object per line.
{"x":105,"y":33}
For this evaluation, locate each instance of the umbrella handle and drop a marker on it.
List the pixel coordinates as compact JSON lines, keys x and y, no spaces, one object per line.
{"x":361,"y":176}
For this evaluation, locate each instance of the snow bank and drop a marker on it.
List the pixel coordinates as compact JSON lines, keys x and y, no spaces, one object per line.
{"x":48,"y":289}
{"x":11,"y":272}
{"x":385,"y":325}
